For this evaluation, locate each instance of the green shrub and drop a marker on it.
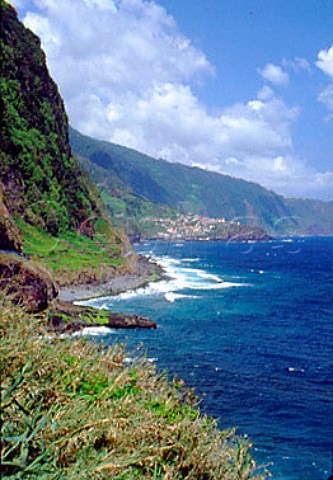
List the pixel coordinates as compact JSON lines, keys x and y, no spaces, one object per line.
{"x":70,"y":410}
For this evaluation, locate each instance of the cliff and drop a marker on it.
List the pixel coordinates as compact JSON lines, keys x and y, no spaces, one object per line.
{"x":41,"y":179}
{"x":49,"y":208}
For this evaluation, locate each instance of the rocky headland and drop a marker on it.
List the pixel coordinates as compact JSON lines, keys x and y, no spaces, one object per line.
{"x":32,"y":286}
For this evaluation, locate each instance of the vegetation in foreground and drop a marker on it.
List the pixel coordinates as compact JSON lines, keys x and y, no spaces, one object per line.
{"x":70,"y":410}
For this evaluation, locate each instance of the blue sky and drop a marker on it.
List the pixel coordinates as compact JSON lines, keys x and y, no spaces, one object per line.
{"x":241,"y":36}
{"x":243,"y":87}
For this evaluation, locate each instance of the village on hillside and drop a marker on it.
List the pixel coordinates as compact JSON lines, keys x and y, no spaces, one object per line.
{"x":195,"y":227}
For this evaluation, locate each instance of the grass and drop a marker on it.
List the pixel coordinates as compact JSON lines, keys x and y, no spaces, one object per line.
{"x":72,"y":257}
{"x":72,"y":410}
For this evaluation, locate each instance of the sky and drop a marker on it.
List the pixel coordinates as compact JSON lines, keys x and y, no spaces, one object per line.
{"x":241,"y":87}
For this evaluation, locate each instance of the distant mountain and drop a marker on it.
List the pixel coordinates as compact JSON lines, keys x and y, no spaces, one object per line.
{"x":314,"y":217}
{"x":134,"y":184}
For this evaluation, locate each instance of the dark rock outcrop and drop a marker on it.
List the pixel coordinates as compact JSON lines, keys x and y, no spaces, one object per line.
{"x":26,"y":283}
{"x":66,"y":317}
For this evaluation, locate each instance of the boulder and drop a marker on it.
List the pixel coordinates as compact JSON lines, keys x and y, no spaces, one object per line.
{"x":26,"y":283}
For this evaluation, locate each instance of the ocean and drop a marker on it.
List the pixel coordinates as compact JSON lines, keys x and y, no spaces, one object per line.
{"x":250,"y":327}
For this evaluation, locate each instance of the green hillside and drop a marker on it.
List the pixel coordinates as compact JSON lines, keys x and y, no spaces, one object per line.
{"x":127,"y":209}
{"x":124,"y":174}
{"x":182,"y":188}
{"x":40,"y":176}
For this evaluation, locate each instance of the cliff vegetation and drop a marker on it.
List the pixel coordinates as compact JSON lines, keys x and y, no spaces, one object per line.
{"x":49,"y":208}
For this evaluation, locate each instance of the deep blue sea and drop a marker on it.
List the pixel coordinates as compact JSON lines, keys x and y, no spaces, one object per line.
{"x":250,"y":327}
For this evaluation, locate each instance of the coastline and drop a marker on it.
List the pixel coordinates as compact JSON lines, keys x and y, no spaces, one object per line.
{"x":145,"y":272}
{"x":78,"y":317}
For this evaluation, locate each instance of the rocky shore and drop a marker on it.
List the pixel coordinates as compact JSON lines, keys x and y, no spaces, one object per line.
{"x":142,"y":273}
{"x":32,"y":286}
{"x":65,"y":316}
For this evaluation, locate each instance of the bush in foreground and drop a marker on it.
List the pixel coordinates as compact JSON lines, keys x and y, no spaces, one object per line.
{"x":70,"y":410}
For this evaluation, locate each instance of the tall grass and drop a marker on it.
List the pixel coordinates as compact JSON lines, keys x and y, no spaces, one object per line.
{"x":71,"y":410}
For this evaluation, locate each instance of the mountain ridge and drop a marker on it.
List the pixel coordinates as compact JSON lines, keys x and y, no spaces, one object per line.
{"x":193,"y":190}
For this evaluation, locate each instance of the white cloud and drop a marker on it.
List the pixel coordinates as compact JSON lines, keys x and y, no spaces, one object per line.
{"x":274,"y":74}
{"x":326,"y":97}
{"x":285,"y":174}
{"x":169,"y":121}
{"x":325,"y":61}
{"x":113,"y":45}
{"x":126,"y":74}
{"x":297,"y":64}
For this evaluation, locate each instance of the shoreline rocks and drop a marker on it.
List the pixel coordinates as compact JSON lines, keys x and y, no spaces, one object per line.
{"x":64,"y":317}
{"x":32,"y":286}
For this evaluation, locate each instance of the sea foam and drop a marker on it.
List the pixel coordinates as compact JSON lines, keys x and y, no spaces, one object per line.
{"x":182,"y":278}
{"x":95,"y":331}
{"x":171,"y":296}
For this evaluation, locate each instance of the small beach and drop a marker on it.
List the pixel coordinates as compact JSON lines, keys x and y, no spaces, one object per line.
{"x":144,"y":272}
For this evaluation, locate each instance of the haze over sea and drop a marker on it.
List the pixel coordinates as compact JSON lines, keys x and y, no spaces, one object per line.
{"x":250,"y":326}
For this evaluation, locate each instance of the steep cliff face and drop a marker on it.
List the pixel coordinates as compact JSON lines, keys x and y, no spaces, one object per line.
{"x":49,"y":209}
{"x":41,"y":180}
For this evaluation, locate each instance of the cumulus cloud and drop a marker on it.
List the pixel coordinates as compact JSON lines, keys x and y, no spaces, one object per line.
{"x":112,"y":46}
{"x":126,"y":73}
{"x":325,"y":61}
{"x":169,"y":121}
{"x":274,"y":74}
{"x":288,"y":175}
